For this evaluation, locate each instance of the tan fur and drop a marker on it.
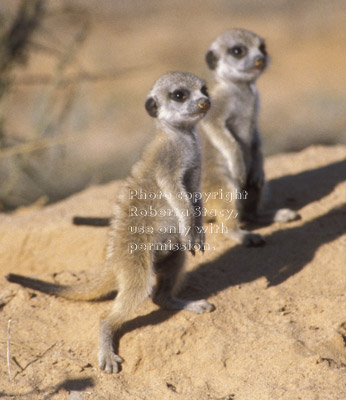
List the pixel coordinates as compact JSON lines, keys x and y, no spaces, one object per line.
{"x":170,"y":165}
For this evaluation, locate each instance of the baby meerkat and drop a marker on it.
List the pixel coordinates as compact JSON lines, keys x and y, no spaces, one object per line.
{"x":233,"y":158}
{"x":153,"y":221}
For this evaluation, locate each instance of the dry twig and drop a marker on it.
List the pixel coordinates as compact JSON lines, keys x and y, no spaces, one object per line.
{"x":8,"y":348}
{"x":36,"y":145}
{"x":38,"y":357}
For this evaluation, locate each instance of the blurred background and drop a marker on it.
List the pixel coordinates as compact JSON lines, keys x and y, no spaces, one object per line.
{"x":74,"y":75}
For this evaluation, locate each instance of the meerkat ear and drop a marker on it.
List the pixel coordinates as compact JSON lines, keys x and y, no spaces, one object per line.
{"x":211,"y":58}
{"x":151,"y":106}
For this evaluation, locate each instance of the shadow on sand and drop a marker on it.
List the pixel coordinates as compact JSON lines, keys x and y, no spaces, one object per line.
{"x":296,"y":191}
{"x":286,"y":253}
{"x":78,"y":385}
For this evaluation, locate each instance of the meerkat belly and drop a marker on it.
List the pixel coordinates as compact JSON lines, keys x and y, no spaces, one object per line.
{"x":214,"y":160}
{"x":244,"y":139}
{"x":241,"y":126}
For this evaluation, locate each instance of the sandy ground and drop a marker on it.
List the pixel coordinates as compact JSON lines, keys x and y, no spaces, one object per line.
{"x":278,"y":331}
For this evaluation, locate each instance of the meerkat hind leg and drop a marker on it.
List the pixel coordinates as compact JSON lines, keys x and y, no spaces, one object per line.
{"x":132,"y":291}
{"x":264,"y":216}
{"x":280,"y":215}
{"x":169,"y":271}
{"x":240,"y":236}
{"x":254,"y":212}
{"x":285,"y":215}
{"x":246,"y":238}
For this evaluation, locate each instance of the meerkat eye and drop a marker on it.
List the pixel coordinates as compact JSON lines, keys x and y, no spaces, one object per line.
{"x":263,"y":49}
{"x":204,"y":91}
{"x":237,"y":51}
{"x":180,"y":95}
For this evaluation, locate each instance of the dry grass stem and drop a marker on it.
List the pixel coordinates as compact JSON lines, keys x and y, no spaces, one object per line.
{"x":8,"y":348}
{"x":36,"y":145}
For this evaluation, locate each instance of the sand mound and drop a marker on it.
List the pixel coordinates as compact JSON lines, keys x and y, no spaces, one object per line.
{"x":278,"y":331}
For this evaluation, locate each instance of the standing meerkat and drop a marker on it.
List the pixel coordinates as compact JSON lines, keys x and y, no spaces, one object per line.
{"x":154,"y":218}
{"x":233,"y":158}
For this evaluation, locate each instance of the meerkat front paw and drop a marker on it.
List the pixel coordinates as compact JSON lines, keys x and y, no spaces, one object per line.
{"x":199,"y":239}
{"x":195,"y":240}
{"x":109,"y":362}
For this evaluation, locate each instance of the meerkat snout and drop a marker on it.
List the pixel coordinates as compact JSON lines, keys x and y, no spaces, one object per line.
{"x":204,"y":104}
{"x":260,"y":62}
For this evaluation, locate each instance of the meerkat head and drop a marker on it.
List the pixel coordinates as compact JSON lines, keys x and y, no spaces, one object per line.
{"x":178,"y":99}
{"x":237,"y":55}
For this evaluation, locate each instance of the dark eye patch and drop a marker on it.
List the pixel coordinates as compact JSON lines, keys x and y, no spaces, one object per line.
{"x":179,"y":95}
{"x":263,"y":49}
{"x":237,"y":51}
{"x":204,"y":91}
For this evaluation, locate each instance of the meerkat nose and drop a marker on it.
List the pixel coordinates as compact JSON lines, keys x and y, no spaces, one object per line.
{"x":260,"y":61}
{"x":204,"y":104}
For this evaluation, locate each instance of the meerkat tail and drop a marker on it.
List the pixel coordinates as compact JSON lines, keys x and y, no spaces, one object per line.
{"x":94,"y":290}
{"x":91,"y":221}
